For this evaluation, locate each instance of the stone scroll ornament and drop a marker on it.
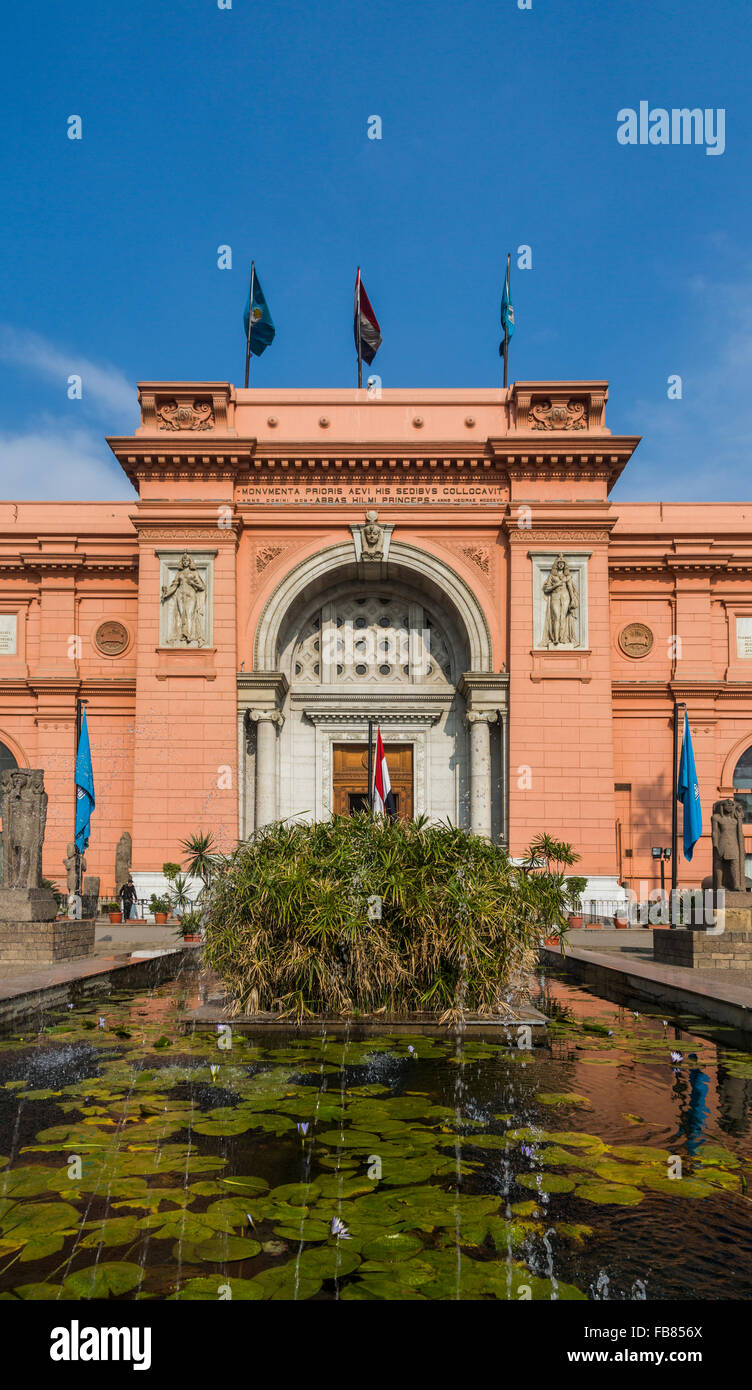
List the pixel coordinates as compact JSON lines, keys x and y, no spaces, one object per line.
{"x":184,"y":416}
{"x":185,"y":597}
{"x":562,"y":606}
{"x":24,"y":810}
{"x":547,"y":416}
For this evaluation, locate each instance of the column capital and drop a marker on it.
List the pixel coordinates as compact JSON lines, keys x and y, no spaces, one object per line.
{"x":268,"y":716}
{"x":486,"y":716}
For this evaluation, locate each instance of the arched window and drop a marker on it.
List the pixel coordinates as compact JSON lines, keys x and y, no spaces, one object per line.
{"x":7,"y":761}
{"x":742,"y":783}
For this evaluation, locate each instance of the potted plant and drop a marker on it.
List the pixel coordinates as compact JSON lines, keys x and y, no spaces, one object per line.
{"x":190,"y":926}
{"x":574,"y":888}
{"x":179,"y":895}
{"x":113,"y":910}
{"x":160,"y":905}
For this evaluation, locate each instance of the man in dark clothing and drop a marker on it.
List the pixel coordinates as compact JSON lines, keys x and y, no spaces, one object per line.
{"x":128,"y":898}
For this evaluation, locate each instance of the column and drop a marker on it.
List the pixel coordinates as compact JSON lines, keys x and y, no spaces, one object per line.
{"x":267,"y":722}
{"x":480,"y":771}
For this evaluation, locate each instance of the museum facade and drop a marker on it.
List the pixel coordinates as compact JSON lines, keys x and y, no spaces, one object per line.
{"x":447,"y":563}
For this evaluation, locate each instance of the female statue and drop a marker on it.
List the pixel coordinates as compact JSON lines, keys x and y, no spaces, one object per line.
{"x":562,"y":606}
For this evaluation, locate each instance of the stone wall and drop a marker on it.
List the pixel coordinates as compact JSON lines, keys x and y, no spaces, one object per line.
{"x":44,"y":943}
{"x":697,"y":950}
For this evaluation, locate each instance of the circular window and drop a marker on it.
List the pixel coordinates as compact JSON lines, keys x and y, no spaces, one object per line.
{"x":316,"y":669}
{"x":361,"y":670}
{"x":360,"y":623}
{"x":384,"y":622}
{"x":384,"y":670}
{"x":298,"y":669}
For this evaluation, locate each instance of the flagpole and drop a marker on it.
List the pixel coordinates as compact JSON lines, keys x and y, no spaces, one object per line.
{"x":360,"y":341}
{"x":674,"y":801}
{"x":506,"y":324}
{"x":370,"y":766}
{"x":77,"y":853}
{"x":250,"y":326}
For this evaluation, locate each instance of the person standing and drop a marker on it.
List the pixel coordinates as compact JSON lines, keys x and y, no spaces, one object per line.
{"x":128,"y":898}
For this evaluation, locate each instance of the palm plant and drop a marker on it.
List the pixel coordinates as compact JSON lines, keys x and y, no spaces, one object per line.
{"x":289,"y":926}
{"x":201,"y":856}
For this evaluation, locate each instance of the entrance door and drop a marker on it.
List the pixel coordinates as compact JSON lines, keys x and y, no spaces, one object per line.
{"x":351,"y":777}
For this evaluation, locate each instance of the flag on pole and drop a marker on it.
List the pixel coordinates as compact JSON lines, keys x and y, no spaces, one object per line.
{"x":507,"y":314}
{"x":383,"y":796}
{"x":688,"y":792}
{"x":365,"y":324}
{"x":261,"y":323}
{"x":84,"y":787}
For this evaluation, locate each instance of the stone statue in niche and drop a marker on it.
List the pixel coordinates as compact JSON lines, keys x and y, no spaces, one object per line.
{"x":24,"y":808}
{"x":728,"y":846}
{"x":123,"y":855}
{"x":372,"y":538}
{"x":562,"y":606}
{"x":185,"y":595}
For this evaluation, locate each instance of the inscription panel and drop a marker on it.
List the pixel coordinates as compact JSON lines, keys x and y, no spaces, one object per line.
{"x":483,"y":492}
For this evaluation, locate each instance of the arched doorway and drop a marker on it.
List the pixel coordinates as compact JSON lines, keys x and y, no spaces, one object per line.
{"x":406,"y":644}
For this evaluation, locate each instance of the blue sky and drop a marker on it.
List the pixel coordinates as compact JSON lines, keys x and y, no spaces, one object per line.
{"x":248,"y":127}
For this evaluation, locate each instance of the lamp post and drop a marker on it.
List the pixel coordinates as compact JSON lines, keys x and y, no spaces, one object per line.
{"x":663,"y":854}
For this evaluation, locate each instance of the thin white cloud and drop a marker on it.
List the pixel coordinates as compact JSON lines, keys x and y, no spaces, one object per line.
{"x":103,"y":386}
{"x":57,"y":463}
{"x":698,"y":449}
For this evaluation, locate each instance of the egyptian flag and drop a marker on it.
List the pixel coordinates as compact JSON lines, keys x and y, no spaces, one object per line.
{"x":365,"y":324}
{"x":383,"y":796}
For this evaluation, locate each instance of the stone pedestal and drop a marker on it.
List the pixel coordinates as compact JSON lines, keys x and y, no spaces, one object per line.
{"x":695,"y":948}
{"x":31,"y":933}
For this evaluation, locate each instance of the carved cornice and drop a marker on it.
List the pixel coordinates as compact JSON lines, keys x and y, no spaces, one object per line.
{"x":561,"y":536}
{"x":211,"y":533}
{"x":558,"y":405}
{"x":373,"y":711}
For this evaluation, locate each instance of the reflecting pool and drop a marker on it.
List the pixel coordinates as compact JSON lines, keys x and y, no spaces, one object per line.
{"x":141,"y":1159}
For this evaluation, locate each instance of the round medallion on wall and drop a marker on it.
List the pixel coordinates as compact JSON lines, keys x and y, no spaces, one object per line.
{"x":111,"y":638}
{"x":636,"y":639}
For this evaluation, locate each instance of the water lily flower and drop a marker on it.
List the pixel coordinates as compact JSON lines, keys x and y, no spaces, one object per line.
{"x":302,"y":1127}
{"x":412,"y":1051}
{"x":677,"y":1057}
{"x":214,"y":1068}
{"x":610,"y":1032}
{"x":101,"y":1023}
{"x":635,"y":1014}
{"x":250,"y":1218}
{"x":339,"y":1229}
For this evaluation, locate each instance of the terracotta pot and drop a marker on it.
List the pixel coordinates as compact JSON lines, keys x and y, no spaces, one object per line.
{"x":115,"y":917}
{"x":575,"y":920}
{"x":160,"y":918}
{"x":550,"y":941}
{"x":192,"y":936}
{"x":621,"y":922}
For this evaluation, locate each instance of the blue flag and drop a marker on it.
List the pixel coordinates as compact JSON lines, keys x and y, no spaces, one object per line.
{"x":688,"y":792}
{"x":262,"y":324}
{"x":84,"y":788}
{"x":507,"y":312}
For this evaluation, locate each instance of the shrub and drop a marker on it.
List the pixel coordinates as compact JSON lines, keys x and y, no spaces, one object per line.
{"x":159,"y":902}
{"x":289,"y":927}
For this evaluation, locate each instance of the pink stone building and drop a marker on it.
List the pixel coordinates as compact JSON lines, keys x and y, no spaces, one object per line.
{"x":520,"y":638}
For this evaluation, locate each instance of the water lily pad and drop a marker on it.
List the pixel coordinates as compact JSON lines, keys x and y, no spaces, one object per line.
{"x":392,"y":1246}
{"x":103,"y":1280}
{"x":545,"y":1182}
{"x":609,"y":1194}
{"x":113,"y":1230}
{"x":219,"y":1250}
{"x":217,"y":1288}
{"x":349,"y":1139}
{"x":679,"y":1187}
{"x":562,"y":1098}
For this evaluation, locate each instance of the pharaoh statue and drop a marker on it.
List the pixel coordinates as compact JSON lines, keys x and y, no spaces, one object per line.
{"x":562,"y":605}
{"x":24,"y":809}
{"x":186,"y":606}
{"x":123,"y":856}
{"x":70,"y":866}
{"x":728,"y":846}
{"x":372,"y":538}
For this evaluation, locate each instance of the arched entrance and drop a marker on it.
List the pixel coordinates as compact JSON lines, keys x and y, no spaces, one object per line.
{"x":406,"y":644}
